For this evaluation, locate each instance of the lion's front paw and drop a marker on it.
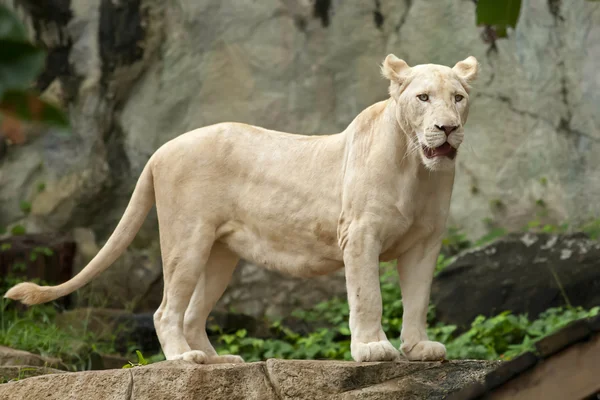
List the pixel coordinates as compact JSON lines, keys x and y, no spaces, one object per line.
{"x":225,"y":359}
{"x":425,"y":350}
{"x":195,"y":356}
{"x":374,"y":351}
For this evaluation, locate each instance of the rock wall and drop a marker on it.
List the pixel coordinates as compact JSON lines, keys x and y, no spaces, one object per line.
{"x":137,"y":73}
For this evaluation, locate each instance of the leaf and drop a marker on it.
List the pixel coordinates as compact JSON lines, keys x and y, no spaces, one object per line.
{"x":25,"y":105}
{"x":20,"y":61}
{"x":501,"y":31}
{"x":499,"y":14}
{"x":345,"y":331}
{"x":20,"y":64}
{"x":17,"y":230}
{"x":25,"y":206}
{"x":141,"y":359}
{"x":10,"y":26}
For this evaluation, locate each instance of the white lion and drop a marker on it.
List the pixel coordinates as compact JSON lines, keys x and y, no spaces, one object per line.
{"x":307,"y":205}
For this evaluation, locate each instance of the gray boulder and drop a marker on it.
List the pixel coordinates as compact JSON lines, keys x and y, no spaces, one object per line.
{"x":10,"y":357}
{"x":524,"y":273}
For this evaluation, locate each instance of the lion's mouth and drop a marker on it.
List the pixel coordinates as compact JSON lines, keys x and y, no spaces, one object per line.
{"x":444,"y":150}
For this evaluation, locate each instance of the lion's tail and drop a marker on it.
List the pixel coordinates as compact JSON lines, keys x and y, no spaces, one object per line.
{"x":140,"y":204}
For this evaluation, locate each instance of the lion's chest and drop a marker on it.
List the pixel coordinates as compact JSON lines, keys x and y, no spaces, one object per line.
{"x":402,"y":241}
{"x":407,"y":226}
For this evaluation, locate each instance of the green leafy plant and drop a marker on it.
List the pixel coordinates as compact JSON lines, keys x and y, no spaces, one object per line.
{"x":40,"y":250}
{"x":503,"y":336}
{"x":34,"y":330}
{"x":499,"y":14}
{"x":17,"y":230}
{"x":20,"y":64}
{"x":455,"y":241}
{"x":141,"y":361}
{"x":592,"y":228}
{"x":493,"y":234}
{"x":23,"y":373}
{"x":25,"y":206}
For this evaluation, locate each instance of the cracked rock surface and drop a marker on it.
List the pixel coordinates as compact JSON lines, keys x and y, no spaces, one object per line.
{"x":270,"y":380}
{"x":135,"y":74}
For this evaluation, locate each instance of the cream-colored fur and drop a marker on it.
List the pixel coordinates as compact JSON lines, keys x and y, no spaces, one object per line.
{"x":306,"y":205}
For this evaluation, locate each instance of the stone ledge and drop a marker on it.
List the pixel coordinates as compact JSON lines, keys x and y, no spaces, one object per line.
{"x":17,"y":372}
{"x":14,"y":357}
{"x":273,"y":379}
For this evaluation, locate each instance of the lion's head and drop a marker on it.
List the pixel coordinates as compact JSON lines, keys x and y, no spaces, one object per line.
{"x":432,"y":104}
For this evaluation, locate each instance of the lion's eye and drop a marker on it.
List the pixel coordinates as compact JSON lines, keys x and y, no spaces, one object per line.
{"x":423,"y":97}
{"x":458,"y":98}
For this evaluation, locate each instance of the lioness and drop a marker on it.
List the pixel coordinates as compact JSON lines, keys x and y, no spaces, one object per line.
{"x":307,"y":205}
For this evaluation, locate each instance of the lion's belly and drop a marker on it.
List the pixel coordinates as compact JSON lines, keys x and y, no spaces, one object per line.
{"x":281,"y":249}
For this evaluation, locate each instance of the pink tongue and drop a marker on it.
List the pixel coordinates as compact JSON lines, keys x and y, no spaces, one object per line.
{"x":442,"y":150}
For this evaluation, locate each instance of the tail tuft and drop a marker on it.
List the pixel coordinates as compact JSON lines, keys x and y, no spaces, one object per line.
{"x":30,"y":293}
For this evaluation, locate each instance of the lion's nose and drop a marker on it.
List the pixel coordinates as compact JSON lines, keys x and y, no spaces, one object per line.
{"x":448,"y":129}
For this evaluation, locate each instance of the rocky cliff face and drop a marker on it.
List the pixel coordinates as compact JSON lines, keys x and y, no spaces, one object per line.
{"x":137,"y":73}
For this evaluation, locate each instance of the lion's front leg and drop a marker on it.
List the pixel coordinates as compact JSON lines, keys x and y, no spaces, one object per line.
{"x":415,"y":270}
{"x":361,"y":259}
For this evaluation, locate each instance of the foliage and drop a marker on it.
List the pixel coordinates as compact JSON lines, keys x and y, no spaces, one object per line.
{"x":17,"y":230}
{"x":141,"y":361}
{"x":592,"y":228}
{"x":34,"y":330}
{"x":499,"y":14}
{"x":17,"y":271}
{"x":25,"y":206}
{"x":23,"y":373}
{"x":503,"y":336}
{"x":455,"y":241}
{"x":20,"y":63}
{"x":506,"y":336}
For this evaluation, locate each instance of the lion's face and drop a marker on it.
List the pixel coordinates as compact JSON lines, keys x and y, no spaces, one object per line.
{"x":432,"y":105}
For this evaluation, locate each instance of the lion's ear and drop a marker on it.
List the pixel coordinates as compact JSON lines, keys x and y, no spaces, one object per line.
{"x":395,"y":69}
{"x":467,"y":69}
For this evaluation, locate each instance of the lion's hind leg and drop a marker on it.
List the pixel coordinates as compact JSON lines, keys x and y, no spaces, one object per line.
{"x":213,"y":281}
{"x":185,"y":255}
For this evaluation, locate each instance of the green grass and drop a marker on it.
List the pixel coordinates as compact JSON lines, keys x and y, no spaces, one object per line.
{"x":34,"y":330}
